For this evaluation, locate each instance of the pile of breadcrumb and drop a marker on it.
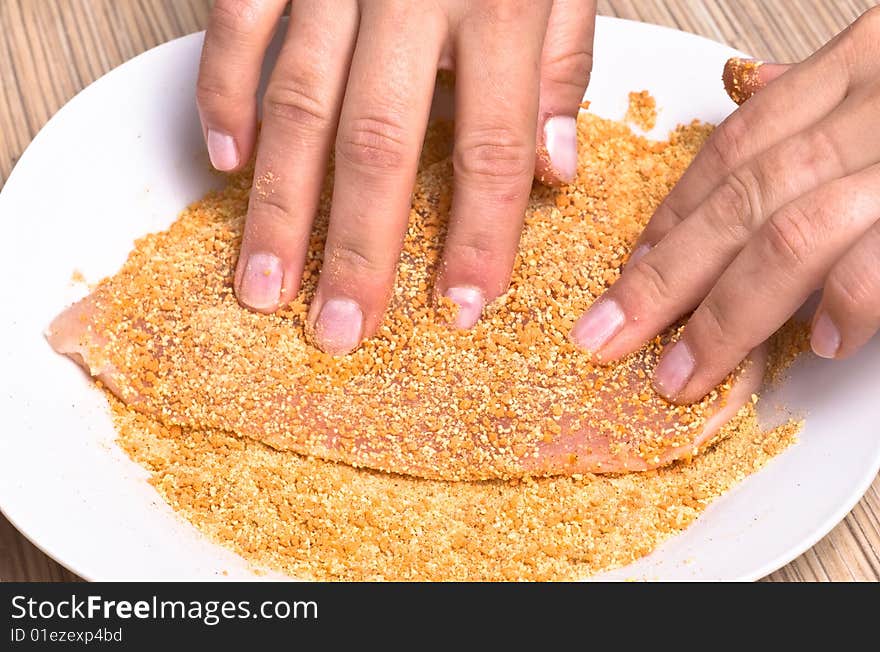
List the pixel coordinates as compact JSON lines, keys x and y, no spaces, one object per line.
{"x":221,"y":400}
{"x":321,"y":520}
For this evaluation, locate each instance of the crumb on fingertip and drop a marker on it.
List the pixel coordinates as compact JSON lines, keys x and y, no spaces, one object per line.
{"x":740,"y":78}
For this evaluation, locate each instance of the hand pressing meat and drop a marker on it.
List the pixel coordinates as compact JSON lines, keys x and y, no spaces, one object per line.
{"x":783,"y":200}
{"x":357,"y":77}
{"x":510,"y":397}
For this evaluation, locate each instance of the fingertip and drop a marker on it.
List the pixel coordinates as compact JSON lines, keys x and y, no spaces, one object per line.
{"x":598,"y":325}
{"x":338,"y":327}
{"x":259,"y":283}
{"x":674,"y":371}
{"x":744,"y":77}
{"x":230,"y":134}
{"x":556,"y":161}
{"x":825,"y":338}
{"x":676,"y":375}
{"x":470,"y":302}
{"x":740,"y":77}
{"x":222,"y":150}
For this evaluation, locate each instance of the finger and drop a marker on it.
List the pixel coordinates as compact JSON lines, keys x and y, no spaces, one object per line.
{"x":381,"y":129}
{"x":662,"y":285}
{"x":498,"y":53}
{"x":744,"y":77}
{"x":790,"y":105}
{"x":229,"y":74}
{"x":767,"y":283}
{"x":849,"y":313}
{"x":300,"y":112}
{"x":566,"y":62}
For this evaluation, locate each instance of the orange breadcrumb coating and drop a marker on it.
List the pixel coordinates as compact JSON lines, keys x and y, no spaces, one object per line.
{"x":512,"y":397}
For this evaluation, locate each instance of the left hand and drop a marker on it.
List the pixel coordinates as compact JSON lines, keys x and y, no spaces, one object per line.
{"x":357,"y":77}
{"x":783,"y":199}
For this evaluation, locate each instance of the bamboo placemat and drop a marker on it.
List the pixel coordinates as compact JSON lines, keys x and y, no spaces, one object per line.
{"x":50,"y":49}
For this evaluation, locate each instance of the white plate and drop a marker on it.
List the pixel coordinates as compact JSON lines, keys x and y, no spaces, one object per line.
{"x":126,"y":155}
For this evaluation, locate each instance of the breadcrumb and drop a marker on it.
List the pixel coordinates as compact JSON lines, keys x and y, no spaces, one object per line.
{"x":740,"y":78}
{"x":320,"y":520}
{"x":642,"y":110}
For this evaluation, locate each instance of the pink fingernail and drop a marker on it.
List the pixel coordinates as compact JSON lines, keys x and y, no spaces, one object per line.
{"x":825,"y":338}
{"x":470,"y":304}
{"x":598,"y":325}
{"x":260,"y":287}
{"x":560,"y":139}
{"x":339,"y":327}
{"x":637,"y":255}
{"x":674,"y":370}
{"x":222,"y":150}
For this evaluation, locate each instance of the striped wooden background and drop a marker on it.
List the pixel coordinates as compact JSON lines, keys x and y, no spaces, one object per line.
{"x":50,"y":49}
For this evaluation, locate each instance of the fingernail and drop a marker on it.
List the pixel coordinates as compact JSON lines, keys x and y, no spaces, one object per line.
{"x":260,"y":287}
{"x":470,"y":304}
{"x":560,"y":139}
{"x":674,"y":370}
{"x":222,"y":150}
{"x":339,"y":326}
{"x":598,"y":325}
{"x":637,"y":255}
{"x":825,"y":338}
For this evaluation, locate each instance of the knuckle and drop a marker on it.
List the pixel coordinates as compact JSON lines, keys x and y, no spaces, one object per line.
{"x":728,"y":143}
{"x":738,"y":204}
{"x":373,"y":143}
{"x":665,"y":218}
{"x":479,"y":249}
{"x":819,"y":151}
{"x":650,"y":282}
{"x":354,"y":258}
{"x":853,"y":292}
{"x":868,"y":24}
{"x":480,"y":256}
{"x":570,"y":68}
{"x":858,"y":42}
{"x":208,"y":90}
{"x":292,"y":101}
{"x":711,"y":326}
{"x":230,"y":33}
{"x":234,"y":18}
{"x":789,"y":235}
{"x":494,"y":156}
{"x":215,"y":91}
{"x":505,"y":11}
{"x":270,"y":210}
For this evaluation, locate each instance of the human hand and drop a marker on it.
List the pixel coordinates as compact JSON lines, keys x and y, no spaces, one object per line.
{"x":362,"y":73}
{"x":783,"y":199}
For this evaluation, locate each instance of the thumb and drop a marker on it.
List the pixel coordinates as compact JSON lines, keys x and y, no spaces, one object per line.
{"x":566,"y":62}
{"x":745,"y":77}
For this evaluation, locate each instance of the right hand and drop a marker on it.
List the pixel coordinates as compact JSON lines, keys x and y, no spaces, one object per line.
{"x":783,"y":199}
